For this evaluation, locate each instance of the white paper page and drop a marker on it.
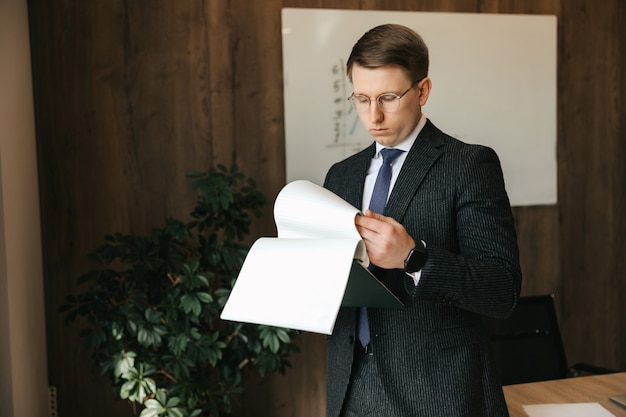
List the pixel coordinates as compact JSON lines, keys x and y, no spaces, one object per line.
{"x":293,"y":283}
{"x":306,"y":210}
{"x":567,"y":410}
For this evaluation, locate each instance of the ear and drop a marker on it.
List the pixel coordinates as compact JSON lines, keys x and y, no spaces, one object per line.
{"x":424,"y":87}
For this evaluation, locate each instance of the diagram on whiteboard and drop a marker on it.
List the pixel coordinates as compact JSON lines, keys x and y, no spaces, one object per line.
{"x":494,"y":83}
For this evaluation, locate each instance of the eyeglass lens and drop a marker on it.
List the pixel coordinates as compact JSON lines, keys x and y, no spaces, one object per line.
{"x":386,"y":102}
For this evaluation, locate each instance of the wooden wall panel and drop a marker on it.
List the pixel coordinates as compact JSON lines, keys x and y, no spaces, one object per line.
{"x":619,"y":247}
{"x":591,"y":158}
{"x":258,"y":92}
{"x":131,"y":95}
{"x":537,"y":231}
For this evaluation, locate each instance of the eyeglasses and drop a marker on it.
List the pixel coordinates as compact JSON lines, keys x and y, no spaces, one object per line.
{"x":387,"y":102}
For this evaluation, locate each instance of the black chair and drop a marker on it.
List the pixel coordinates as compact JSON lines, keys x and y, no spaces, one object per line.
{"x":527,"y":346}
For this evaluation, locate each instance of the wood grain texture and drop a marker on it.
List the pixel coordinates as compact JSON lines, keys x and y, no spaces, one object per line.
{"x":131,"y":95}
{"x":591,"y":164}
{"x":589,"y":389}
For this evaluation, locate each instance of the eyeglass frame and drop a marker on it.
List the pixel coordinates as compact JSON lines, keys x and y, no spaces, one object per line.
{"x":399,"y":97}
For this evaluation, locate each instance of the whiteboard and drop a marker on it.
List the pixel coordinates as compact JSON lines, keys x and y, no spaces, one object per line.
{"x":494,"y":83}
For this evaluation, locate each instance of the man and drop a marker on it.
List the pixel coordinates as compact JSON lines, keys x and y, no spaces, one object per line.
{"x":445,"y":244}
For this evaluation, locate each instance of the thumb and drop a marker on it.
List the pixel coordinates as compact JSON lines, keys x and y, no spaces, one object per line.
{"x":374,"y":215}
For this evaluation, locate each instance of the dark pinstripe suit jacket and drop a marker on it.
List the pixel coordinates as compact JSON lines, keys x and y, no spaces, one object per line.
{"x":433,"y":356}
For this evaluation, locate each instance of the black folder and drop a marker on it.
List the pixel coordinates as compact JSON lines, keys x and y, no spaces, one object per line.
{"x":364,"y":289}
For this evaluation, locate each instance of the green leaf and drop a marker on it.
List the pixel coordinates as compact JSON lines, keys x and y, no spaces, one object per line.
{"x":178,"y":344}
{"x":173,"y":402}
{"x":283,"y":335}
{"x":190,"y":304}
{"x":153,"y":409}
{"x":204,"y":297}
{"x":152,"y":315}
{"x":144,"y":337}
{"x":127,"y":388}
{"x":117,"y":329}
{"x":175,"y":412}
{"x":150,"y":412}
{"x":123,"y":363}
{"x":161,"y":396}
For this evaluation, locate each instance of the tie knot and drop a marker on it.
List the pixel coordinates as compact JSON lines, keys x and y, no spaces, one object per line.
{"x":390,"y":154}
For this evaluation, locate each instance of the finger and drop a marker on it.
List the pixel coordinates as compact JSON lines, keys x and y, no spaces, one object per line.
{"x":369,"y":223}
{"x":380,"y":218}
{"x":373,"y":215}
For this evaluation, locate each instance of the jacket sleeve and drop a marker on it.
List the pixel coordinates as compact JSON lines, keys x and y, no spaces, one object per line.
{"x":473,"y":259}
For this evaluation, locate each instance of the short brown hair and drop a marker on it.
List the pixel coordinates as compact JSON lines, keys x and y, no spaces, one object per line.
{"x":391,"y":44}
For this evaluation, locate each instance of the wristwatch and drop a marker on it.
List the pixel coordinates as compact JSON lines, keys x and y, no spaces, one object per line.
{"x":416,"y":259}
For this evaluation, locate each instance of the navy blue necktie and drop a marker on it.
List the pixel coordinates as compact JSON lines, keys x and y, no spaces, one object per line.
{"x":377,"y":205}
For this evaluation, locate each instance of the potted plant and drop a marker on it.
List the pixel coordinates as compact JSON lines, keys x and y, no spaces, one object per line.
{"x":150,"y":310}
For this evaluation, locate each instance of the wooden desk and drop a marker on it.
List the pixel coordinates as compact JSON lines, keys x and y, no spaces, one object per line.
{"x":586,"y":389}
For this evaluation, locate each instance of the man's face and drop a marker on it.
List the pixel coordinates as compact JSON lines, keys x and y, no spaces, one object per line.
{"x":389,"y":129}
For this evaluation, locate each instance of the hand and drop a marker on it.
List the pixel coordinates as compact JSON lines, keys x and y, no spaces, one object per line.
{"x":387,"y":241}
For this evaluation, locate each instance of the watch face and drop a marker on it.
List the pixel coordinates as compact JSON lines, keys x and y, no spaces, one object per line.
{"x":416,"y":260}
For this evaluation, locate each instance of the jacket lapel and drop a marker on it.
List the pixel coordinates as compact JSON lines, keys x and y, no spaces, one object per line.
{"x":358,"y":171}
{"x":425,"y":151}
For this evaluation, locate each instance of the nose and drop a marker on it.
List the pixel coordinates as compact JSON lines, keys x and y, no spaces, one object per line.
{"x":375,"y":113}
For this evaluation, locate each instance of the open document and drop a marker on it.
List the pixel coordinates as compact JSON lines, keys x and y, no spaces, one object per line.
{"x":318,"y":263}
